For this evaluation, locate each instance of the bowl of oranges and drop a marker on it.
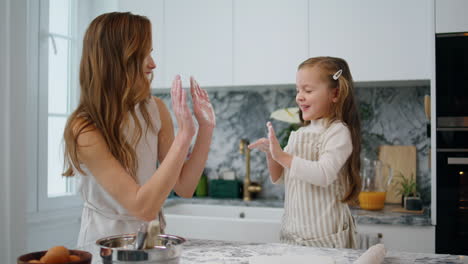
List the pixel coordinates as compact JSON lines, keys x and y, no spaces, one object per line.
{"x":56,"y":255}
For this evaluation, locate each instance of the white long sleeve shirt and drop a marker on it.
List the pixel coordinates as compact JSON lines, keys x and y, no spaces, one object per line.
{"x":336,"y":149}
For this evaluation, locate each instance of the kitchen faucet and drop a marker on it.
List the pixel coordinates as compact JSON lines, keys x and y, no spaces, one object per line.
{"x":249,"y":186}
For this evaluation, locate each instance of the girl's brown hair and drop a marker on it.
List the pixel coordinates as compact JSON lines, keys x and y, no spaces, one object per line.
{"x":112,"y":84}
{"x":345,"y":109}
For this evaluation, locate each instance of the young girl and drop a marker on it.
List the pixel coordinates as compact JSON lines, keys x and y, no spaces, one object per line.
{"x":117,"y":134}
{"x":320,"y":165}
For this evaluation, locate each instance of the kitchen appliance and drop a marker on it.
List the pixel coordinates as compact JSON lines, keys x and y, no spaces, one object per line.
{"x":452,"y":191}
{"x":451,"y":77}
{"x":452,"y":143}
{"x":375,"y":181}
{"x":121,"y":249}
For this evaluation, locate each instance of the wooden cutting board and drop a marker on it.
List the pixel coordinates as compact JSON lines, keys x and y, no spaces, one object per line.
{"x":403,"y":160}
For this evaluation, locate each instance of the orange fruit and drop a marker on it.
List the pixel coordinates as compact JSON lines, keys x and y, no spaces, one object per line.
{"x":34,"y":261}
{"x":59,"y":250}
{"x":56,"y":255}
{"x":74,"y":258}
{"x":55,"y":259}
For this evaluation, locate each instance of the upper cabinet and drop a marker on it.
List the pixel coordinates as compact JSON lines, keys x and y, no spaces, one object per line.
{"x":451,"y":16}
{"x":270,"y":40}
{"x":255,"y":42}
{"x":198,"y":41}
{"x":380,"y":40}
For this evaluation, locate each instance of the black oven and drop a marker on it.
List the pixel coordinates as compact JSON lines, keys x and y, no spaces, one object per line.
{"x":452,"y":201}
{"x":452,"y":186}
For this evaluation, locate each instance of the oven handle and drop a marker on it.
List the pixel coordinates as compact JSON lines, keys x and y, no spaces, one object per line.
{"x":457,"y":161}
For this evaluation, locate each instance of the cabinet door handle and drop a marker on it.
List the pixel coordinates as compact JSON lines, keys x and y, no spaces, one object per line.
{"x":457,"y":161}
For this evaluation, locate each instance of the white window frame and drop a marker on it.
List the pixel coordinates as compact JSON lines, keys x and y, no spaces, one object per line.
{"x":39,"y":29}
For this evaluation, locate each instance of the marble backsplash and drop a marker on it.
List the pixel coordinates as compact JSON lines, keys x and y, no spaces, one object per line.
{"x":390,"y":115}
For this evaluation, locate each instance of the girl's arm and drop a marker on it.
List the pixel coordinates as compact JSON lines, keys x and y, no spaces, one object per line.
{"x":143,"y":201}
{"x":337,"y":148}
{"x":274,"y":167}
{"x":336,"y":151}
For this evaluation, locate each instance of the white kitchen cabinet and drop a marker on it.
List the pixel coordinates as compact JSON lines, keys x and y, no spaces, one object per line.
{"x":198,"y":41}
{"x":270,"y":40}
{"x":451,"y":16}
{"x":380,"y":40}
{"x":419,"y":239}
{"x":154,"y":10}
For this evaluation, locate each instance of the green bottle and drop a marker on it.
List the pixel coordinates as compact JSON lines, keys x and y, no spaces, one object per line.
{"x":202,"y":187}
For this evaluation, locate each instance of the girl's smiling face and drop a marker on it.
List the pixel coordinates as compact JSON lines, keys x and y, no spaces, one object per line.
{"x":313,"y":96}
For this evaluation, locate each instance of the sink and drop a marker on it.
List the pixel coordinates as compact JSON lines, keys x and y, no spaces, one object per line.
{"x":226,"y":211}
{"x":224,"y":222}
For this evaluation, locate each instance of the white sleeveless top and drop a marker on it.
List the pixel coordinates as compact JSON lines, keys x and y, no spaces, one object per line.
{"x":314,"y":187}
{"x":102,"y":215}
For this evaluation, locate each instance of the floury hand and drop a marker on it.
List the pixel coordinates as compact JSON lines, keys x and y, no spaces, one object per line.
{"x":181,"y":109}
{"x":202,"y":107}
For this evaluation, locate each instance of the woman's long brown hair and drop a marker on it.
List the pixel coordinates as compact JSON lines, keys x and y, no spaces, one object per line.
{"x":112,"y":84}
{"x":345,"y":110}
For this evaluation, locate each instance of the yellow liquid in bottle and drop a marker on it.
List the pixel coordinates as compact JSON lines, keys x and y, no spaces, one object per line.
{"x":372,"y":200}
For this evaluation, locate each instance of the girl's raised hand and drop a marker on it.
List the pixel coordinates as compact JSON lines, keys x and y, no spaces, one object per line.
{"x":262,"y":144}
{"x":275,"y":148}
{"x":181,"y":110}
{"x":202,"y":107}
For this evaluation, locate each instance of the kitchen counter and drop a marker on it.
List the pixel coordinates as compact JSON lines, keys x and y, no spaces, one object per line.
{"x":385,"y":216}
{"x":210,"y":251}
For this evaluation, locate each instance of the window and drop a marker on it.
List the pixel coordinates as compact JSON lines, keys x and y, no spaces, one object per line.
{"x":56,"y":33}
{"x":58,"y":89}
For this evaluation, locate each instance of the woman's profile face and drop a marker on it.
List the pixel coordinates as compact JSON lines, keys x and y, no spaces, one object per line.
{"x":149,"y":65}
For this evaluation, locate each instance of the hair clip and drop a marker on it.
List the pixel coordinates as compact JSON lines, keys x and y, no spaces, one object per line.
{"x":337,"y":74}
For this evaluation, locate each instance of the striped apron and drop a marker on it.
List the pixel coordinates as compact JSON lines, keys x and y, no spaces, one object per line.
{"x":313,"y":215}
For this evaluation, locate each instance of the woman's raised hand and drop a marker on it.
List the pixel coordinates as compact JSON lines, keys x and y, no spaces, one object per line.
{"x":202,"y":107}
{"x":181,"y":109}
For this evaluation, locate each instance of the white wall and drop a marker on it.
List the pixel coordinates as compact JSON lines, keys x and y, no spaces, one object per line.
{"x":4,"y":203}
{"x":13,"y":182}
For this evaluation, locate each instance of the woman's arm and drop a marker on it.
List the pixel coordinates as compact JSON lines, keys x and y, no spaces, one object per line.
{"x":146,"y":200}
{"x":166,"y":132}
{"x":206,"y":119}
{"x":193,"y":168}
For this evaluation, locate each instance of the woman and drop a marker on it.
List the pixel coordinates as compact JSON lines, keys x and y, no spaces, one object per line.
{"x":118,"y":133}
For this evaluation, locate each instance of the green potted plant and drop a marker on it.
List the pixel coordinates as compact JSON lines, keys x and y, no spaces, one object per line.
{"x":408,"y":189}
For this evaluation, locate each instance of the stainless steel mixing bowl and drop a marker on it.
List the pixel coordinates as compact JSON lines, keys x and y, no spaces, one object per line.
{"x":121,"y":249}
